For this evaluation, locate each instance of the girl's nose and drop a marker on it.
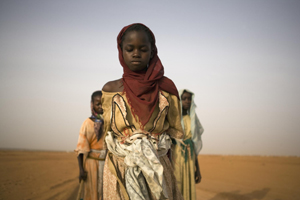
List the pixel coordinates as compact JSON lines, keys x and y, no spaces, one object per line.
{"x":136,"y":53}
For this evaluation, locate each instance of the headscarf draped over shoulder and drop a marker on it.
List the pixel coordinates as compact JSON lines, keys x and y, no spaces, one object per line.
{"x":142,"y":88}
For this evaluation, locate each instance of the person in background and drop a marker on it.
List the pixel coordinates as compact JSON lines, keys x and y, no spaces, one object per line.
{"x":91,"y":151}
{"x":184,"y":154}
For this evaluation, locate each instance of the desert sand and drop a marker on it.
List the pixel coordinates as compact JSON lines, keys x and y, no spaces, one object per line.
{"x":38,"y":175}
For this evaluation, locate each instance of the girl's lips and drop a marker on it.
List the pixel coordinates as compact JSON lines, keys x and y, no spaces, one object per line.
{"x":100,"y":111}
{"x":135,"y":61}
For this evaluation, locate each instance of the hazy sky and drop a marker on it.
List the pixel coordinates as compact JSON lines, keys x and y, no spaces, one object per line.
{"x":241,"y":58}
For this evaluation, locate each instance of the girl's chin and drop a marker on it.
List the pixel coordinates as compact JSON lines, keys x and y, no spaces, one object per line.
{"x":139,"y":69}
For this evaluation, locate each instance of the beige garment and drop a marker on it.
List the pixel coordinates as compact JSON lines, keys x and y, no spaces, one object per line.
{"x":119,"y":119}
{"x":187,"y":127}
{"x":184,"y":163}
{"x":87,"y":143}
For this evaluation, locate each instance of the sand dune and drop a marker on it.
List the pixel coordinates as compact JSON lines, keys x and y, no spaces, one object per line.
{"x":36,"y":175}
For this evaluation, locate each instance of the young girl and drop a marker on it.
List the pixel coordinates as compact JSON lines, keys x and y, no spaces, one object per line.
{"x":141,"y":113}
{"x":186,"y":168}
{"x":90,"y":149}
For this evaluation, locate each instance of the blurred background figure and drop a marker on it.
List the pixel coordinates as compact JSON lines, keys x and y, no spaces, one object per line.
{"x":91,"y":152}
{"x":184,"y":155}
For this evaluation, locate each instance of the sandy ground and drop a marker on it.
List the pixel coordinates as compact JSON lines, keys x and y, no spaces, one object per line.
{"x":53,"y":175}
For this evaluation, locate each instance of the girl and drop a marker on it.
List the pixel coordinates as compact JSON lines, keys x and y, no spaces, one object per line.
{"x":186,"y":168}
{"x":90,"y":150}
{"x":141,"y":113}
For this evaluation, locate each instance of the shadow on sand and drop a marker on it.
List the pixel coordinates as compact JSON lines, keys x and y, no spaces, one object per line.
{"x":235,"y":195}
{"x":74,"y":194}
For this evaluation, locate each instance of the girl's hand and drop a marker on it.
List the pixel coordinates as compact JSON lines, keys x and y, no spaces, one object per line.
{"x":82,"y":176}
{"x":197,"y":176}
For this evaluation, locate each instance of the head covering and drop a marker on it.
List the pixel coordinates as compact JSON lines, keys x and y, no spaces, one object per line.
{"x":98,"y":121}
{"x":196,"y":127}
{"x":142,"y":88}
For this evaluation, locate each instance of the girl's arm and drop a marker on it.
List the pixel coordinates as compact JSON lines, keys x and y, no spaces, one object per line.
{"x":197,"y":172}
{"x":82,"y":173}
{"x":83,"y":148}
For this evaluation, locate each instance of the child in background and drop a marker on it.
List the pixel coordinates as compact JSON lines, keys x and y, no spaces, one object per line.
{"x":184,"y":155}
{"x":91,"y":151}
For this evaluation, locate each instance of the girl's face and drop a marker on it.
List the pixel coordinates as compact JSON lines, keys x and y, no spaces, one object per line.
{"x":186,"y":99}
{"x":97,"y":106}
{"x":136,"y":50}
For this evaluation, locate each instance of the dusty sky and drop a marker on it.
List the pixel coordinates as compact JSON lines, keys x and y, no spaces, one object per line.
{"x":241,"y":58}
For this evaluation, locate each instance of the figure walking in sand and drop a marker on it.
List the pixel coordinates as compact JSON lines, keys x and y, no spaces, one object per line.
{"x":184,"y":155}
{"x":91,"y":151}
{"x":141,"y":115}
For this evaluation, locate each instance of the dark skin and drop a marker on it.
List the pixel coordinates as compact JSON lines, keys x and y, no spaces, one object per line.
{"x":186,"y":100}
{"x":197,"y":172}
{"x":82,"y":173}
{"x":136,"y":49}
{"x":97,"y":106}
{"x":137,"y":52}
{"x":113,"y":86}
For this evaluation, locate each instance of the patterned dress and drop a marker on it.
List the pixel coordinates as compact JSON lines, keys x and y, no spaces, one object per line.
{"x":137,"y":165}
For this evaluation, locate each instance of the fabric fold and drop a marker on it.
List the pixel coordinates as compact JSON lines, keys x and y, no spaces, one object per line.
{"x":143,"y":165}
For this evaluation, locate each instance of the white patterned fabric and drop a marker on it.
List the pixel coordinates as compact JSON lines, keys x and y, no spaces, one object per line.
{"x":143,"y":165}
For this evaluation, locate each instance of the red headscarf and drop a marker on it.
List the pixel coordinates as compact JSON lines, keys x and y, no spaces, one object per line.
{"x":142,"y":88}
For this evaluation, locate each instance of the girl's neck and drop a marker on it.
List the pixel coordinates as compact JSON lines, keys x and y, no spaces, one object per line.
{"x":185,"y":112}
